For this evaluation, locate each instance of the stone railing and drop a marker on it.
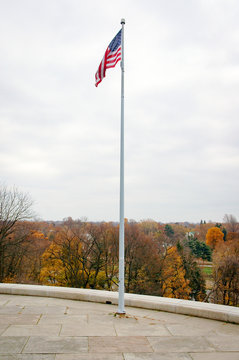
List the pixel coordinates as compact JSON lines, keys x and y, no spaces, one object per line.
{"x":178,"y":306}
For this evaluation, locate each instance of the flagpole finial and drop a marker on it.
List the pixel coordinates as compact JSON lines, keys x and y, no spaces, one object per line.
{"x":122,"y":21}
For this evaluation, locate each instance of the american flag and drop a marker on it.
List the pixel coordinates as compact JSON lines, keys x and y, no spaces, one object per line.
{"x":110,"y":59}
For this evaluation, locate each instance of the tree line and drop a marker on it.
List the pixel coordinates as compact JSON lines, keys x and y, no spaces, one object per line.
{"x":160,"y":259}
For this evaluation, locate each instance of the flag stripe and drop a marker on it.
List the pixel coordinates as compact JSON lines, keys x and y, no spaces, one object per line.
{"x":108,"y":67}
{"x":112,"y":63}
{"x":113,"y":58}
{"x":115,"y":53}
{"x":109,"y":63}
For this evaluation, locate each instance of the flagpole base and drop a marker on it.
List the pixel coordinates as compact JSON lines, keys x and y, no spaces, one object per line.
{"x":120,"y":314}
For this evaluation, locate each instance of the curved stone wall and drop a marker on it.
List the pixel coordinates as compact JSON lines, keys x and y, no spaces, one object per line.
{"x":178,"y":306}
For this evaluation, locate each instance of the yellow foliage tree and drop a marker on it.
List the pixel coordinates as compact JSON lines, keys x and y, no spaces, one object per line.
{"x":214,"y":237}
{"x":71,"y":260}
{"x":52,"y":271}
{"x":173,"y":274}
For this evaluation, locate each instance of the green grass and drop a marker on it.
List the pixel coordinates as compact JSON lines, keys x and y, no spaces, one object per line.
{"x":207,"y":270}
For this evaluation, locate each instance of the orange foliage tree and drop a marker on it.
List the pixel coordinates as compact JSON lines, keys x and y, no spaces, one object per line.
{"x":214,"y":237}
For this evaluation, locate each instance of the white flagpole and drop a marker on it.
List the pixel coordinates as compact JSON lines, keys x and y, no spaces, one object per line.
{"x":121,"y":309}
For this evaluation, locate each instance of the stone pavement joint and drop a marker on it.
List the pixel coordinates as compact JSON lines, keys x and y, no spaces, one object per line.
{"x":45,"y":328}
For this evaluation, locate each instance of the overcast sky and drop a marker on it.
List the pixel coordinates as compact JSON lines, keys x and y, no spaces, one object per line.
{"x":60,"y":135}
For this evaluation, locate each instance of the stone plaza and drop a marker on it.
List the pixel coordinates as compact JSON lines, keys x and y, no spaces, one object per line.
{"x":35,"y":327}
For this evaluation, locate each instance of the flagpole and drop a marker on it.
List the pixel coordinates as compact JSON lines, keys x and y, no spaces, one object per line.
{"x":121,"y":309}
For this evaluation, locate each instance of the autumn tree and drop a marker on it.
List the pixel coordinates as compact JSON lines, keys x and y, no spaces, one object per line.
{"x":151,"y":252}
{"x":83,"y":254}
{"x":64,"y":258}
{"x":231,"y":236}
{"x":38,"y":242}
{"x":162,"y":240}
{"x":214,"y":237}
{"x":148,"y":227}
{"x":226,"y":274}
{"x":110,"y":258}
{"x":141,"y":257}
{"x":231,"y":223}
{"x":53,"y":271}
{"x":201,"y":230}
{"x":174,"y":283}
{"x":15,"y":207}
{"x":94,"y":239}
{"x":179,"y":232}
{"x":163,"y":274}
{"x":79,"y":252}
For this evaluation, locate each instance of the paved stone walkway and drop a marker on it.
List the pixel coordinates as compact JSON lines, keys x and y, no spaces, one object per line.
{"x":40,"y":328}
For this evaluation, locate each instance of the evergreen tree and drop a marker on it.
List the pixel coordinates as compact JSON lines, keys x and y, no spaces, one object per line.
{"x":168,"y":230}
{"x":199,"y":249}
{"x":192,"y":273}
